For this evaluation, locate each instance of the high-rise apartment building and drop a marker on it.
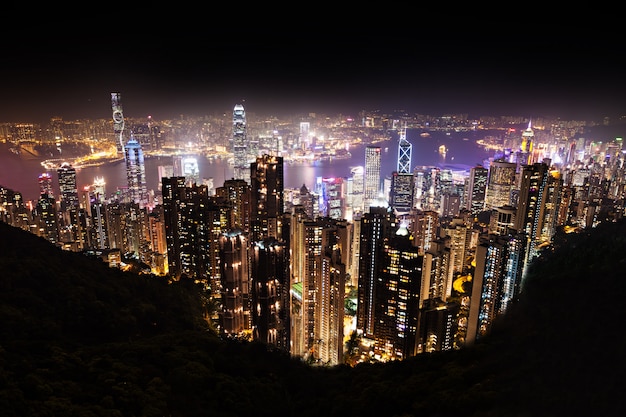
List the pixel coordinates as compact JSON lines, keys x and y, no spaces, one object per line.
{"x":267,"y":200}
{"x":389,"y":281}
{"x":539,"y":195}
{"x":45,"y":215}
{"x":496,"y":282}
{"x":235,"y":315}
{"x":237,"y":192}
{"x":376,"y":225}
{"x":269,"y":268}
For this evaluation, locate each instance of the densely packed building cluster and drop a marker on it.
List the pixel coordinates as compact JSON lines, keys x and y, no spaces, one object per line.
{"x":361,"y":268}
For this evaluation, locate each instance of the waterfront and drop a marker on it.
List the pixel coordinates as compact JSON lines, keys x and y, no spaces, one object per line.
{"x":20,"y":173}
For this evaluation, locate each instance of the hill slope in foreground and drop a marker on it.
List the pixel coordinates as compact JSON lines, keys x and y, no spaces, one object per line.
{"x":80,"y":339}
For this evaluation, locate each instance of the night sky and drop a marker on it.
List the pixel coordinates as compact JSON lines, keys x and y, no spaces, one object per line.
{"x":70,"y":71}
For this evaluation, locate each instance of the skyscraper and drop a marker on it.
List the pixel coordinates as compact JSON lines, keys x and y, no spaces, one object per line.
{"x":267,"y":200}
{"x":355,"y":193}
{"x":402,"y":184}
{"x":45,"y":184}
{"x":270,"y":253}
{"x":404,"y":153}
{"x":496,"y":281}
{"x":235,"y":314}
{"x":68,"y":190}
{"x":372,"y":176}
{"x":241,"y":167}
{"x":401,"y":194}
{"x":531,"y":211}
{"x":476,"y":188}
{"x":500,"y":184}
{"x":525,"y":156}
{"x":237,"y":192}
{"x":118,"y":120}
{"x":136,"y":172}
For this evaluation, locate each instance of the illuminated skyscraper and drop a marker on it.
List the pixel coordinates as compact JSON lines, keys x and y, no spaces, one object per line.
{"x":355,"y":193}
{"x":375,"y":227}
{"x":190,"y":169}
{"x":401,"y":194}
{"x":372,"y":176}
{"x":237,"y":192}
{"x":476,"y":188}
{"x":389,"y":281}
{"x":402,"y":184}
{"x":45,"y":214}
{"x":45,"y":184}
{"x":235,"y":315}
{"x":99,"y":189}
{"x":270,"y":253}
{"x":118,"y":120}
{"x":241,"y":167}
{"x":397,"y":296}
{"x":496,"y":281}
{"x":136,"y":172}
{"x":404,"y":154}
{"x":267,"y":204}
{"x":333,"y":195}
{"x":304,"y":138}
{"x":540,"y":191}
{"x":67,"y":187}
{"x":500,"y":184}
{"x":526,"y":149}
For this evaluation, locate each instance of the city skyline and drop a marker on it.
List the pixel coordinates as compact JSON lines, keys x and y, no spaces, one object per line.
{"x":573,"y":76}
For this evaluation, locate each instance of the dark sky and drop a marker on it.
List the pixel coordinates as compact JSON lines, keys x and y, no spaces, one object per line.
{"x":573,"y":74}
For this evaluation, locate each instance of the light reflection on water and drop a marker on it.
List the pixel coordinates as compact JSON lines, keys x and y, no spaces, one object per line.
{"x":20,"y":174}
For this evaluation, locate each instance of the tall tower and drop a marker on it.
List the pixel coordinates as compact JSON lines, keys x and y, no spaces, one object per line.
{"x":240,"y":145}
{"x":136,"y":172}
{"x":118,"y":120}
{"x":237,"y":192}
{"x":372,"y":176}
{"x":404,"y":153}
{"x":402,"y":184}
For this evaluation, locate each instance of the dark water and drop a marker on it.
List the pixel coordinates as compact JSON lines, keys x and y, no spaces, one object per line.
{"x":20,"y":173}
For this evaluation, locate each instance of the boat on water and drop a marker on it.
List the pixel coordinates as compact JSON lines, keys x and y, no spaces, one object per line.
{"x":424,"y":134}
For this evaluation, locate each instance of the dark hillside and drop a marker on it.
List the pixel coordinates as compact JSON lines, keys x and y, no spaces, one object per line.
{"x":80,"y":339}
